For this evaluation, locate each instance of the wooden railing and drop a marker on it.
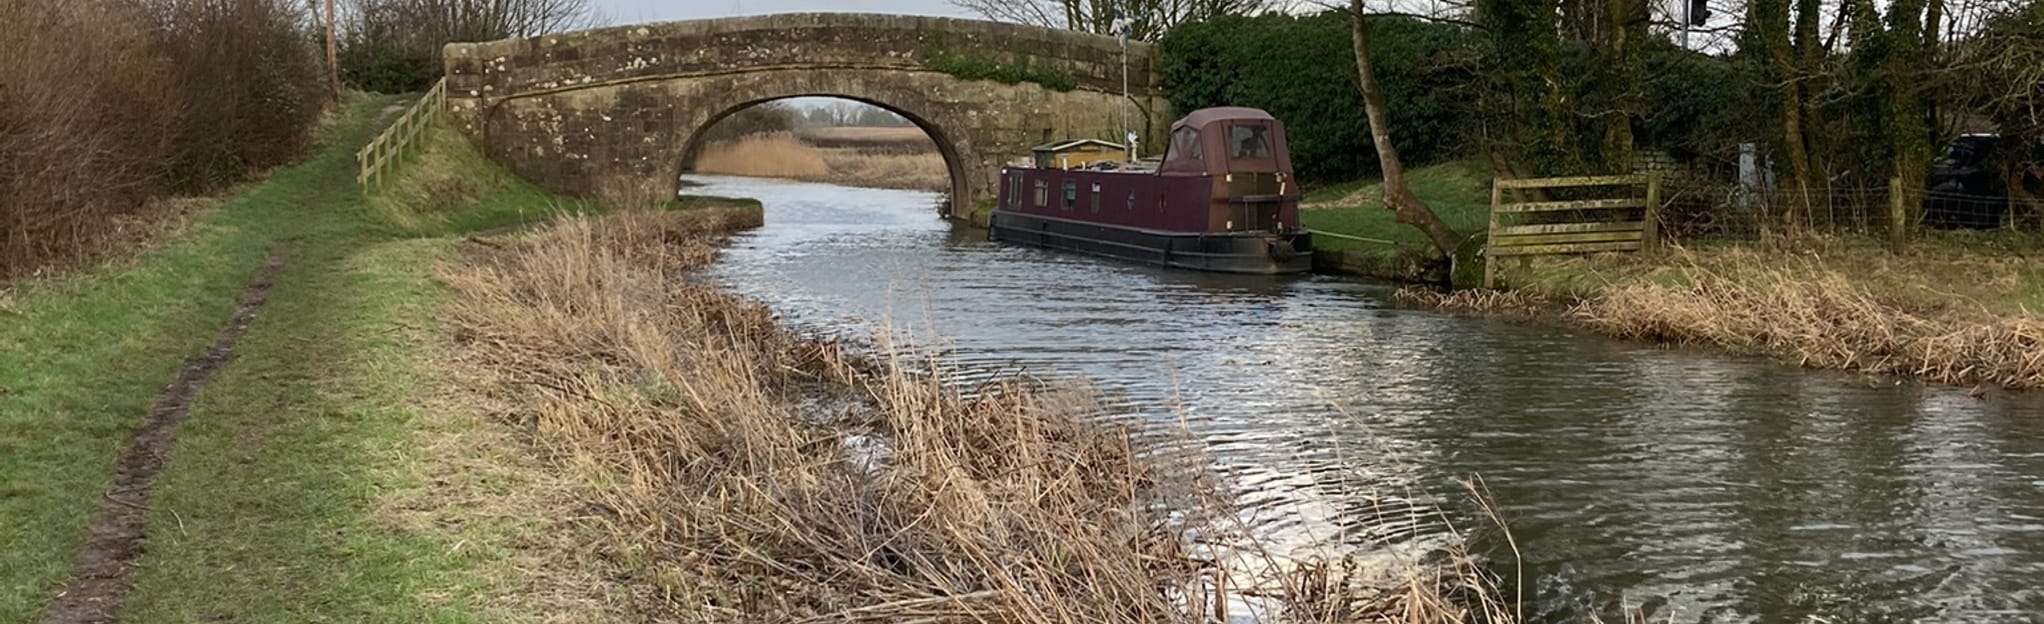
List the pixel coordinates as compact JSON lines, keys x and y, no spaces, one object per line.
{"x":376,"y":160}
{"x":1627,"y":222}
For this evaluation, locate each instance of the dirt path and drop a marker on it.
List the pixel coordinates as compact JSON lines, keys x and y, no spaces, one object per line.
{"x":100,"y":580}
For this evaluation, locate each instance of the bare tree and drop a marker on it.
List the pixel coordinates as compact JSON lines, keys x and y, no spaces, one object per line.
{"x":1408,"y":208}
{"x":1146,"y":19}
{"x":395,"y":44}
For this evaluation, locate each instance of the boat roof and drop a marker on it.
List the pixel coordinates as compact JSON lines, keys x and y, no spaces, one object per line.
{"x":1207,"y":116}
{"x":1065,"y":145}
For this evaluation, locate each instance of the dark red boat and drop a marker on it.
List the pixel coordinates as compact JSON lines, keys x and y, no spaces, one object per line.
{"x":1222,"y":199}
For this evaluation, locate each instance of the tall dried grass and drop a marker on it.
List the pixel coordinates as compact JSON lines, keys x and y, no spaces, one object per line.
{"x":1473,"y":302}
{"x":749,"y":474}
{"x":787,"y":156}
{"x":1808,"y":311}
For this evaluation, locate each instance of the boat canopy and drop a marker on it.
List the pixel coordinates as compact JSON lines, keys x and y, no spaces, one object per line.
{"x":1227,"y":140}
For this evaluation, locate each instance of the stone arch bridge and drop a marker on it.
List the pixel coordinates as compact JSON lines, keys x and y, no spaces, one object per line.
{"x":575,"y":111}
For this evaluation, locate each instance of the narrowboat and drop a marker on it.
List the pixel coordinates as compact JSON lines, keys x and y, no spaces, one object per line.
{"x":1222,"y":198}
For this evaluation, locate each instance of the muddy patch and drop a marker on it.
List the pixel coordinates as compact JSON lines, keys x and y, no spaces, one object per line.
{"x":99,"y":579}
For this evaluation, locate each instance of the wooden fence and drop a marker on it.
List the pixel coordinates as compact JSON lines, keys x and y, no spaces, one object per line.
{"x":380,"y":156}
{"x":1622,"y":214}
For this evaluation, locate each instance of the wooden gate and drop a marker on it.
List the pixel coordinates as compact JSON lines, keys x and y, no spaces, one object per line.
{"x":1620,"y":214}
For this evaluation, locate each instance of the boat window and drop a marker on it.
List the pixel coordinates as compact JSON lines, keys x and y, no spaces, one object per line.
{"x":1096,"y":198}
{"x":1042,"y":193}
{"x":1015,"y":191}
{"x":1071,"y":193}
{"x":1186,"y":143}
{"x":1248,"y":141}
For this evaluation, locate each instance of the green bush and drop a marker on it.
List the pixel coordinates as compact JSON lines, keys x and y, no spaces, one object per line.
{"x":387,"y":70}
{"x":1303,"y":71}
{"x":1701,"y":107}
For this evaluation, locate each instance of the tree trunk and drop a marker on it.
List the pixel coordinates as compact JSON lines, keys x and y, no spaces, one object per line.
{"x":1624,"y":30}
{"x":1397,"y":195}
{"x":1906,"y":111}
{"x":1770,"y":20}
{"x":1810,"y":64}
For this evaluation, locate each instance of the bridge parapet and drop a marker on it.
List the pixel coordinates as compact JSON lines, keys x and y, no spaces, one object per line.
{"x":803,"y":40}
{"x":568,"y":111}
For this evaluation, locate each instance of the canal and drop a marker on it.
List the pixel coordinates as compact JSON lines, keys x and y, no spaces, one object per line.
{"x":1710,"y":487}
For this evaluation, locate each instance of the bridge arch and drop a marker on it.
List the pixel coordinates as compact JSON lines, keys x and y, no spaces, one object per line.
{"x":572,"y":111}
{"x":959,"y":154}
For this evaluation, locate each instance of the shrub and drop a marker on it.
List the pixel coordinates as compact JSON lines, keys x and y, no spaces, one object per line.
{"x":393,"y":46}
{"x":1303,"y":71}
{"x":107,"y":104}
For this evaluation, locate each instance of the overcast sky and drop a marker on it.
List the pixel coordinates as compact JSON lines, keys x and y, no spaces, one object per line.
{"x":630,"y":11}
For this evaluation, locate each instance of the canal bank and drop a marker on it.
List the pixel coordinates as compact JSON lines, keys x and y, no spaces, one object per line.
{"x":1956,"y":309}
{"x":1710,"y":486}
{"x":750,"y":471}
{"x":1948,"y":307}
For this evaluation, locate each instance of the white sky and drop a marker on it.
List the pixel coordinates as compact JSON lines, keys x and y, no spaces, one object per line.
{"x":632,"y":11}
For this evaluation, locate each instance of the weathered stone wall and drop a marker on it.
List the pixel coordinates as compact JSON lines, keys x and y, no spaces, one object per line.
{"x":575,"y":110}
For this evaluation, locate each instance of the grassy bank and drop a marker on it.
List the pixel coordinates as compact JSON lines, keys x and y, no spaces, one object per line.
{"x":294,"y":491}
{"x":1459,"y":193}
{"x":1955,"y":308}
{"x":1958,"y":308}
{"x":1951,"y":308}
{"x":82,"y":358}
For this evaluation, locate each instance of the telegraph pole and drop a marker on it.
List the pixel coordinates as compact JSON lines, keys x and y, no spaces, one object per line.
{"x":1687,"y":5}
{"x":1128,"y":134}
{"x":333,"y":65}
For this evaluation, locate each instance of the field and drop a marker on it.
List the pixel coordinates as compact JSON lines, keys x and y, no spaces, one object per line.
{"x":903,"y":138}
{"x":902,"y":158}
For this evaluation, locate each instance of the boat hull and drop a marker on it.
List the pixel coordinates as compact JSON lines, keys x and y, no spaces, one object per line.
{"x":1262,"y":253}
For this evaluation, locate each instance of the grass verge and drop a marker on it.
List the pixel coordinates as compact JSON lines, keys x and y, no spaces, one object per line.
{"x":83,"y":356}
{"x":1459,"y":193}
{"x":1361,"y":237}
{"x":299,"y":489}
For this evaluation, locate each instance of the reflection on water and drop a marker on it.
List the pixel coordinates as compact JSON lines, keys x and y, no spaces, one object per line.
{"x":1715,"y":488}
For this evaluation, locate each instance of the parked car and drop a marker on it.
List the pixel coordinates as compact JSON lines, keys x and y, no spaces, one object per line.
{"x":1965,"y":188}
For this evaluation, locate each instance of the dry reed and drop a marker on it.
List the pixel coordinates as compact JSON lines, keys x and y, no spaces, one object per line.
{"x":784,"y":155}
{"x":749,"y":474}
{"x":1473,"y":302}
{"x":1821,"y":318}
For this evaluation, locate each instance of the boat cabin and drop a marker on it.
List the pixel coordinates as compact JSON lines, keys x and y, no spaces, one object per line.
{"x":1079,"y":154}
{"x":1245,"y":152}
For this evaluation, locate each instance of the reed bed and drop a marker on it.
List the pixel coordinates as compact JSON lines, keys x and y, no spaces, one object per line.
{"x":1822,"y":318}
{"x":1473,"y":302}
{"x":744,"y":473}
{"x":785,"y":155}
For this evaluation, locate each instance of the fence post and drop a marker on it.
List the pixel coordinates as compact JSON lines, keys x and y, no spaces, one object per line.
{"x":1490,"y":260}
{"x":1898,"y":215}
{"x":1650,"y":235}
